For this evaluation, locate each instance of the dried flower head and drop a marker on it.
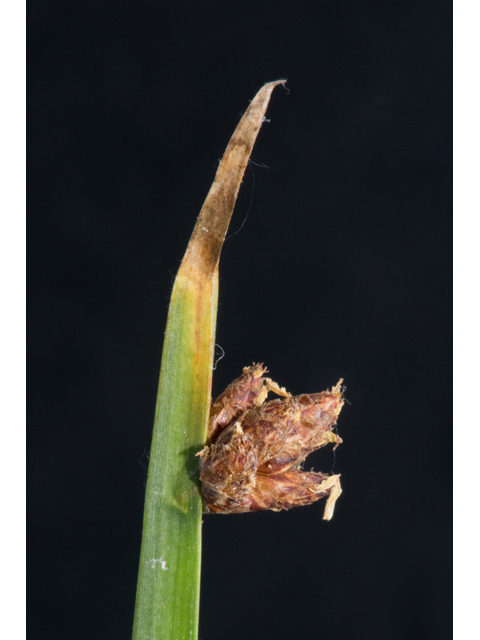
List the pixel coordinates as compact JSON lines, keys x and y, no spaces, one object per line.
{"x":257,"y":448}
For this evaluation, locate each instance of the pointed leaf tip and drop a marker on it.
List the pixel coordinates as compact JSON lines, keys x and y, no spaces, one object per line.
{"x":207,"y":239}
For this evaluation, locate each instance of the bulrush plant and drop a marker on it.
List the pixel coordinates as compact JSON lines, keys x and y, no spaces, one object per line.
{"x":249,"y":451}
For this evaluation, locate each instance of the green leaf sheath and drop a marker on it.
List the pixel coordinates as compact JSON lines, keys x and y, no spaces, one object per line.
{"x":168,"y":590}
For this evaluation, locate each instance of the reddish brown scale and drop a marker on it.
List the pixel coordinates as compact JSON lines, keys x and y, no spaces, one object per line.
{"x":240,"y":395}
{"x":284,"y":491}
{"x":230,"y":467}
{"x":258,"y":447}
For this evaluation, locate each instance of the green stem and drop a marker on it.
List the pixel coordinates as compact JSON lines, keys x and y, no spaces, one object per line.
{"x":168,"y":590}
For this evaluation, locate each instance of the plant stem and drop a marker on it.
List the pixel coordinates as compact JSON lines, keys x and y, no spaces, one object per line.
{"x":168,"y":590}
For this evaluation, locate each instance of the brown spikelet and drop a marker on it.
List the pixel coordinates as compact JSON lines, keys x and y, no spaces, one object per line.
{"x":257,"y":448}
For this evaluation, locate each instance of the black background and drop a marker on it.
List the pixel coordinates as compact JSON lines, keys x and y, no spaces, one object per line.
{"x":342,"y":269}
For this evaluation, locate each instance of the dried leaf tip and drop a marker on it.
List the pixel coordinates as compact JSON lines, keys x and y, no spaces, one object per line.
{"x":205,"y":245}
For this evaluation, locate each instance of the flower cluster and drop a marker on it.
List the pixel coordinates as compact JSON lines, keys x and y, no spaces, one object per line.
{"x":257,"y":448}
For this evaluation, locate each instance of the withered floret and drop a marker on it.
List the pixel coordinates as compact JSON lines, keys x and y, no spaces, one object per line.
{"x":254,"y":460}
